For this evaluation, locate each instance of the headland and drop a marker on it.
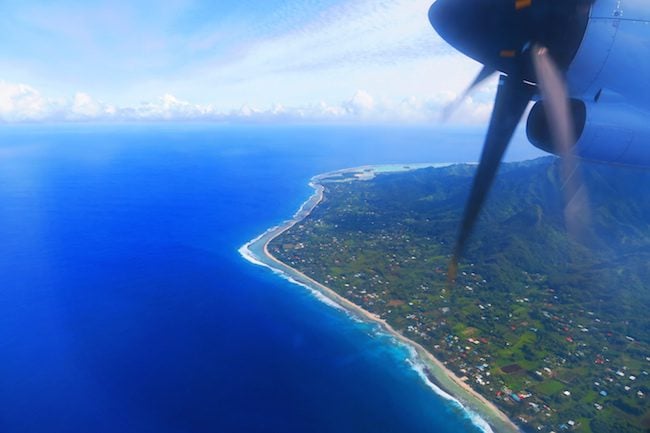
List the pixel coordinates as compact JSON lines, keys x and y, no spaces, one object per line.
{"x":484,"y":414}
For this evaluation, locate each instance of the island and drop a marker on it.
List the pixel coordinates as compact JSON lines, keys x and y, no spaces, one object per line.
{"x":544,"y":330}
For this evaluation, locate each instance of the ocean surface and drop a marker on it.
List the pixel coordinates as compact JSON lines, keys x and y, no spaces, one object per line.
{"x":126,"y":307}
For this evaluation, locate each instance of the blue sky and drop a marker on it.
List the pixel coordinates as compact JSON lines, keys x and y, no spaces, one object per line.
{"x":271,"y":60}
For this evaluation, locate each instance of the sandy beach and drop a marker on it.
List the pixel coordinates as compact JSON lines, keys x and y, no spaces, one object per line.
{"x":492,"y":419}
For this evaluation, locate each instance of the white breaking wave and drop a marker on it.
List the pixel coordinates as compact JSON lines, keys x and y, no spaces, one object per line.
{"x":308,"y":202}
{"x":248,"y":255}
{"x":316,"y":293}
{"x":251,"y":257}
{"x":419,"y":367}
{"x":415,"y":362}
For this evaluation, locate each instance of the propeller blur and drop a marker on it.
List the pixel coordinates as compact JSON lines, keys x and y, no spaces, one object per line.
{"x":536,"y":45}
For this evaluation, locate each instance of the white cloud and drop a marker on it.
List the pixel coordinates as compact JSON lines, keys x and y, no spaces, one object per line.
{"x":362,"y":104}
{"x":23,"y":103}
{"x":84,"y":107}
{"x":167,"y":107}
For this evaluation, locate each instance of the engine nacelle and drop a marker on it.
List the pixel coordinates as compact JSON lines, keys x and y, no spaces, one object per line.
{"x":613,"y":54}
{"x":611,"y":131}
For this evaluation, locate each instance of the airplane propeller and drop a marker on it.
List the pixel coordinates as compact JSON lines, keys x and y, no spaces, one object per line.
{"x":483,"y":75}
{"x":558,"y":112}
{"x":531,"y":42}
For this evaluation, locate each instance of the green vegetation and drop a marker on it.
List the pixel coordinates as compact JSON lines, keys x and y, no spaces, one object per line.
{"x":553,"y":328}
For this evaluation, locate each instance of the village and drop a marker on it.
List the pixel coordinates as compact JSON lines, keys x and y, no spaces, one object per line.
{"x":545,"y":358}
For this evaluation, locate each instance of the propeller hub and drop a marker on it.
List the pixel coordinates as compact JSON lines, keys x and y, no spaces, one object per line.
{"x":499,"y":33}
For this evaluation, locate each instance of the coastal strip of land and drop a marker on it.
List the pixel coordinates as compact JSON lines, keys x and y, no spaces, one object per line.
{"x":484,"y":413}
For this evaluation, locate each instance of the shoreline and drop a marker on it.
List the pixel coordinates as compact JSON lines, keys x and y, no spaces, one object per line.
{"x":442,"y":380}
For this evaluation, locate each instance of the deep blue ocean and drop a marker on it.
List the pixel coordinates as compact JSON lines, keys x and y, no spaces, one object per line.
{"x":126,"y":307}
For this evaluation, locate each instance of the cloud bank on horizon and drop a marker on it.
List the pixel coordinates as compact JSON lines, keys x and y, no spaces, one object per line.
{"x":238,"y":60}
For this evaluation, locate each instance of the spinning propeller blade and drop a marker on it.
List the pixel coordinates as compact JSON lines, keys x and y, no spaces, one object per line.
{"x":558,"y":114}
{"x":511,"y":101}
{"x":483,"y":75}
{"x":530,"y":42}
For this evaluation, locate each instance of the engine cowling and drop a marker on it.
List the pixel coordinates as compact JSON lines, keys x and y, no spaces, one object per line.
{"x":610,"y":131}
{"x":613,"y":54}
{"x":607,"y":79}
